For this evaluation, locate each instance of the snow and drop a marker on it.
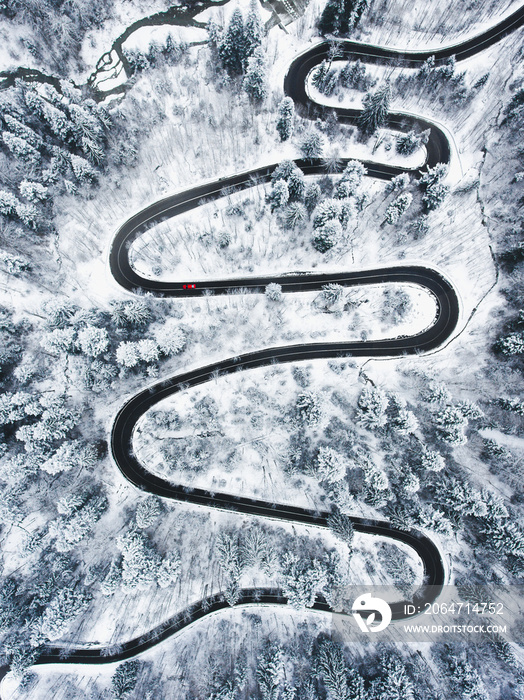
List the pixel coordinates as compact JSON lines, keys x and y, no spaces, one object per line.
{"x":180,"y":152}
{"x":113,"y":75}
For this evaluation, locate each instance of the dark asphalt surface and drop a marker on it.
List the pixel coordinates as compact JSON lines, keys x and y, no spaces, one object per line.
{"x":430,"y":339}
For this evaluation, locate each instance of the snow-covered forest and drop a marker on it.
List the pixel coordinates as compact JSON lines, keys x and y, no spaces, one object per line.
{"x":108,"y":109}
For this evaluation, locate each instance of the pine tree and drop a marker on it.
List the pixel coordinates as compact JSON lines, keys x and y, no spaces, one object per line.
{"x":93,"y":341}
{"x":168,"y":571}
{"x":331,"y":667}
{"x":296,"y":185}
{"x":351,"y":180}
{"x":302,"y":579}
{"x":17,"y":406}
{"x":354,"y":75}
{"x":254,"y":29}
{"x":269,"y":671}
{"x":60,"y":340}
{"x":511,"y":344}
{"x":59,"y":615}
{"x":371,"y":407}
{"x":22,"y":130}
{"x":112,"y":580}
{"x":409,"y":142}
{"x":434,"y":191}
{"x":295,"y":215}
{"x":330,"y":464}
{"x":398,"y":183}
{"x":69,"y":531}
{"x":312,"y":146}
{"x":279,"y":195}
{"x":21,"y":148}
{"x":332,"y":294}
{"x":58,"y":121}
{"x":34,"y":191}
{"x":356,"y":687}
{"x":147,"y":512}
{"x":451,"y":425}
{"x":375,"y":112}
{"x":83,"y":170}
{"x":447,"y":71}
{"x":309,"y":408}
{"x":170,"y":337}
{"x":140,"y":561}
{"x":434,"y":196}
{"x":283,"y":171}
{"x":85,"y":124}
{"x":436,"y":393}
{"x":127,"y":354}
{"x":410,"y":483}
{"x":148,"y":350}
{"x":256,"y":548}
{"x":14,"y":264}
{"x":339,"y":16}
{"x":131,"y":314}
{"x":229,"y":556}
{"x":377,"y":486}
{"x":327,"y":236}
{"x":255,"y":80}
{"x":28,"y":214}
{"x":327,"y":210}
{"x":359,"y":7}
{"x":312,"y":197}
{"x":92,"y":150}
{"x":74,"y":454}
{"x":342,"y":526}
{"x":431,"y":460}
{"x":233,"y":49}
{"x":427,"y":69}
{"x":395,"y":683}
{"x":466,"y":680}
{"x":514,"y":405}
{"x":434,"y":175}
{"x":288,"y":171}
{"x":320,"y":75}
{"x":286,"y":114}
{"x":404,"y":422}
{"x":274,"y":292}
{"x":398,"y":207}
{"x":8,"y":203}
{"x":332,"y":17}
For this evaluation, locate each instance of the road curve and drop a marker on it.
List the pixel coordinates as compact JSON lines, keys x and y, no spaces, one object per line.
{"x":430,"y":339}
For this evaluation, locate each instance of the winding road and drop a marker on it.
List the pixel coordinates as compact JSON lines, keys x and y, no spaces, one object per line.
{"x":445,"y":322}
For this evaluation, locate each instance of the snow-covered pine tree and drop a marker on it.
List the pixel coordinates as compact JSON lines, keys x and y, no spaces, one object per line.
{"x":286,"y":113}
{"x":254,"y":29}
{"x":375,"y":112}
{"x":93,"y":341}
{"x":312,"y":146}
{"x":147,"y":512}
{"x":331,"y":666}
{"x":21,"y":148}
{"x":269,"y":671}
{"x":398,"y":207}
{"x":233,"y":49}
{"x":255,"y":80}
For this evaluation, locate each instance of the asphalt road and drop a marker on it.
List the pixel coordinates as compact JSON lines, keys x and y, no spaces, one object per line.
{"x":432,"y":338}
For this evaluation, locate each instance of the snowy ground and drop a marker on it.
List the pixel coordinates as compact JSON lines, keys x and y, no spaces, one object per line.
{"x":248,"y":452}
{"x":196,"y":133}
